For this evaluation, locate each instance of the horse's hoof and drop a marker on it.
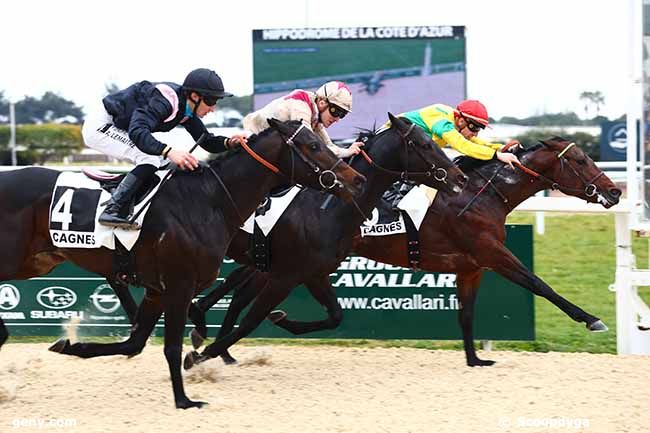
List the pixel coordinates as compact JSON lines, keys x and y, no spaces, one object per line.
{"x":228,"y":360}
{"x":276,"y":316}
{"x":131,"y":355}
{"x":597,"y":326}
{"x":480,"y":363}
{"x":197,"y":338}
{"x":188,"y":362}
{"x":186,"y":403}
{"x":60,"y":345}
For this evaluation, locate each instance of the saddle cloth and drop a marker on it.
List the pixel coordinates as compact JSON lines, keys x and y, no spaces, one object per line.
{"x":388,"y":220}
{"x":267,"y":221}
{"x":77,"y":202}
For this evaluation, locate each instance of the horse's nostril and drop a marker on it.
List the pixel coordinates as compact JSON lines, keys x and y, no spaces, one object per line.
{"x":463,"y":179}
{"x":359,"y":180}
{"x":615,"y":192}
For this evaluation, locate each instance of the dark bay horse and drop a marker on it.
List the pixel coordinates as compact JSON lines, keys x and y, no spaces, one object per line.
{"x":473,"y":242}
{"x":321,"y":239}
{"x":185,"y":234}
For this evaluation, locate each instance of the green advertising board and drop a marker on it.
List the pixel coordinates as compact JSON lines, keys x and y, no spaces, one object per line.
{"x":379,"y":301}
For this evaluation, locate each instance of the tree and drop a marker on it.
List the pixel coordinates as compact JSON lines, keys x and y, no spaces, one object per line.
{"x":592,"y":99}
{"x":48,"y":108}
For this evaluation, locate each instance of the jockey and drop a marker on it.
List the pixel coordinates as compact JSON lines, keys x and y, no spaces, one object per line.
{"x":319,"y":110}
{"x":459,"y":129}
{"x":123,"y":127}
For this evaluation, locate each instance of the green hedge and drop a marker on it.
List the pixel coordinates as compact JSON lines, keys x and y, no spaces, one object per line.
{"x":43,"y":142}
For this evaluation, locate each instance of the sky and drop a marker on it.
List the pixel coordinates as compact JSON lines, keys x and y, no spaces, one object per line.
{"x":523,"y":57}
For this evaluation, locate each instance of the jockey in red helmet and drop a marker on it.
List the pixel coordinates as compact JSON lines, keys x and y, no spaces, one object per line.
{"x":459,"y":129}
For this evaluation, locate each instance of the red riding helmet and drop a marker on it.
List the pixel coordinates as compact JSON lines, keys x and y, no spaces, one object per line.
{"x":473,"y":110}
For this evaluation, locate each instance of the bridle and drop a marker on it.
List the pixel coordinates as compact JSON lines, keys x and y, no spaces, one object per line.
{"x":590,"y":189}
{"x":290,"y":142}
{"x":323,"y":180}
{"x":440,"y":174}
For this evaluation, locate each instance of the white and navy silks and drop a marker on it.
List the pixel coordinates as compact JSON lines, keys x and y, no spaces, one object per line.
{"x":122,"y":126}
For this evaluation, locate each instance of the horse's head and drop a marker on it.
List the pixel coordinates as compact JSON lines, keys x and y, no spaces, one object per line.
{"x":311,"y":163}
{"x":567,"y":168}
{"x":422,"y":161}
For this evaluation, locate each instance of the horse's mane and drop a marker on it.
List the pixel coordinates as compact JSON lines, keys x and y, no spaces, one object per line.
{"x":468,"y":164}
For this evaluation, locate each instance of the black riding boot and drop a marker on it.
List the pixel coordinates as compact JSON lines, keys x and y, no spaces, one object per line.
{"x":116,"y":213}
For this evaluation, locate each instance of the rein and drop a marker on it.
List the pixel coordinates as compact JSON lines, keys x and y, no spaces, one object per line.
{"x":322,"y":178}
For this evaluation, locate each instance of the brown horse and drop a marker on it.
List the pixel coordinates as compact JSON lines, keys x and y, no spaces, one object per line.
{"x":184,"y":236}
{"x":467,"y":244}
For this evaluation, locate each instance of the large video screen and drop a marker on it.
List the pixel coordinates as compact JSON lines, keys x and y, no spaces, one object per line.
{"x":394,"y":69}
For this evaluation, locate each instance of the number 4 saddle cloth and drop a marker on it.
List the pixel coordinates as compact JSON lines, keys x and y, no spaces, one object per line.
{"x":77,"y":202}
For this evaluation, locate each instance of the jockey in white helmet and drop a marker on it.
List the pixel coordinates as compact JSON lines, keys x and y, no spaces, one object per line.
{"x":317,"y":110}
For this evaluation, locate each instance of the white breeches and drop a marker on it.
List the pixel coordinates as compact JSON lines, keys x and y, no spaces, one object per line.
{"x":100,"y":134}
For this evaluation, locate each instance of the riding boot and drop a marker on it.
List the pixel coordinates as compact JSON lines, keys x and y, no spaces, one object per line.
{"x":117,"y":211}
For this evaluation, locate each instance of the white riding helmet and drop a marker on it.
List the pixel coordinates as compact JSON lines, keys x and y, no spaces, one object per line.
{"x":337,"y":93}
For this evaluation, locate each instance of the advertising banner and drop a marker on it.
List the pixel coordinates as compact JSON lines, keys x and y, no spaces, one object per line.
{"x":379,"y":301}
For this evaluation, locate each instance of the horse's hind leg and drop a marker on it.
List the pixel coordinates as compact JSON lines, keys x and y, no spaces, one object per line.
{"x":148,"y":314}
{"x":321,"y":289}
{"x":468,"y":285}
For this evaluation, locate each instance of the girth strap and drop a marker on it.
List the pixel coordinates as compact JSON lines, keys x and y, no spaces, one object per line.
{"x":412,"y":242}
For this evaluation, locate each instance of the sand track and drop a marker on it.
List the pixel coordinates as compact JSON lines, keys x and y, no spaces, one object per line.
{"x":326,"y":389}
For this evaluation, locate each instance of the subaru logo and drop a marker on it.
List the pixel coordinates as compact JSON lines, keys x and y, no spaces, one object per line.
{"x":104,"y":299}
{"x":9,"y":297}
{"x":56,"y":297}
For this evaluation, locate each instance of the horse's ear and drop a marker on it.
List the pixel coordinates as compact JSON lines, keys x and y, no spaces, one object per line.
{"x":274,"y":123}
{"x":395,"y":120}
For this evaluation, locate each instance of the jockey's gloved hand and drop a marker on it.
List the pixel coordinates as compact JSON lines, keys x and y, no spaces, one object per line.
{"x":508,"y":158}
{"x":183,"y":159}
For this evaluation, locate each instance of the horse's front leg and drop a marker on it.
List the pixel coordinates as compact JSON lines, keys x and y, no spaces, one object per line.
{"x":126,"y":300}
{"x":270,"y":297}
{"x":503,"y":262}
{"x":468,"y":285}
{"x":176,"y":303}
{"x":321,"y":289}
{"x":237,"y":278}
{"x":148,"y":314}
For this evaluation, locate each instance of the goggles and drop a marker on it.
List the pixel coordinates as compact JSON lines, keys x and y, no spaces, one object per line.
{"x":210,"y":101}
{"x":336,"y":111}
{"x":473,"y":126}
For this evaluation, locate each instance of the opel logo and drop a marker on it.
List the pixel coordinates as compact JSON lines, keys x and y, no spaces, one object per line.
{"x":56,"y":297}
{"x":9,"y":297}
{"x":104,"y":299}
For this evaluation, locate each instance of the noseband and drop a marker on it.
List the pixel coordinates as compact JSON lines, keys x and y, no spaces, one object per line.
{"x":439,"y":174}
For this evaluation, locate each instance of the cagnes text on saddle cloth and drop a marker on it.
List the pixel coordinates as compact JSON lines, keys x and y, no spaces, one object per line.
{"x":77,"y":202}
{"x":384,"y":222}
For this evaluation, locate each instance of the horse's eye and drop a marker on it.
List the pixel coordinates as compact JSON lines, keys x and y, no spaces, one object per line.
{"x":581,"y":161}
{"x":314,"y":147}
